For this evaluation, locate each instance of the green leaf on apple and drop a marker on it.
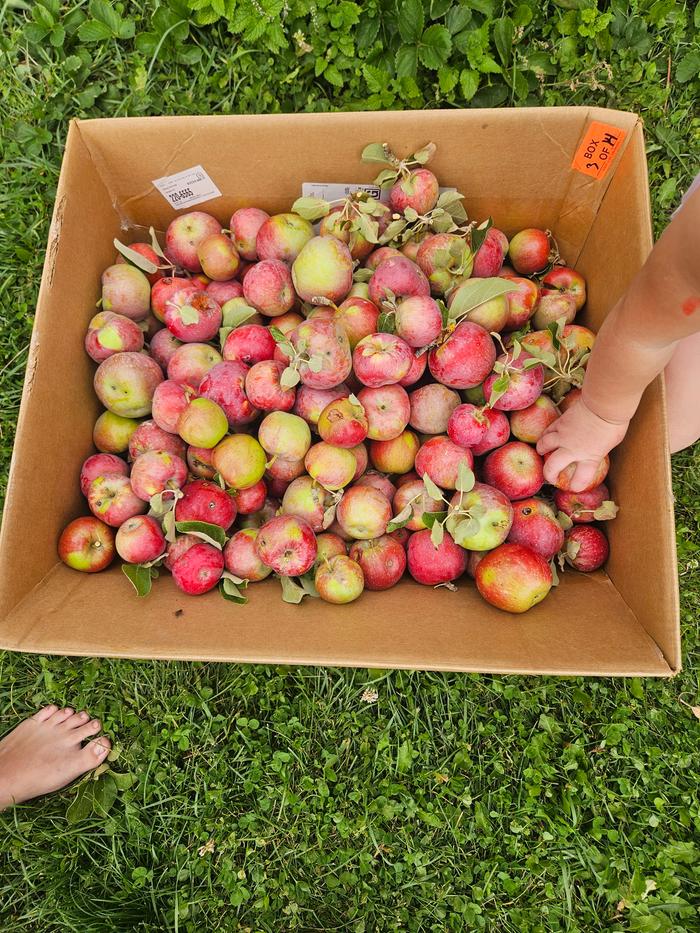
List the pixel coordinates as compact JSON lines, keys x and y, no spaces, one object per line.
{"x":465,"y":478}
{"x":136,"y":259}
{"x":401,"y":518}
{"x":229,"y":588}
{"x":308,"y":584}
{"x":479,"y":234}
{"x":437,"y":534}
{"x":290,"y":377}
{"x":475,"y":292}
{"x":386,"y":323}
{"x":315,"y":363}
{"x":212,"y":534}
{"x":605,"y":511}
{"x":555,"y":575}
{"x":376,"y":152}
{"x":235,"y":312}
{"x":155,"y":245}
{"x":564,"y":520}
{"x":425,"y":153}
{"x":499,"y":388}
{"x":432,"y":488}
{"x":430,"y":518}
{"x":140,"y":578}
{"x":311,"y":208}
{"x":361,"y":274}
{"x":291,"y":591}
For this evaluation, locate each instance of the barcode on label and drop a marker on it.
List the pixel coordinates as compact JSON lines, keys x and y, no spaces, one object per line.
{"x":187,"y":188}
{"x":332,"y":191}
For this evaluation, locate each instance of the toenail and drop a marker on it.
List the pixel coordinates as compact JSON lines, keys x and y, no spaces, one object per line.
{"x":83,"y":715}
{"x":95,"y":722}
{"x":101,"y":750}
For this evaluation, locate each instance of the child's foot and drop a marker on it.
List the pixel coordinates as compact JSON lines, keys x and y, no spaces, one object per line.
{"x":46,"y":752}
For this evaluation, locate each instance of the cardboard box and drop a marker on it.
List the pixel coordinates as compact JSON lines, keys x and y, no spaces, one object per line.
{"x":515,"y":165}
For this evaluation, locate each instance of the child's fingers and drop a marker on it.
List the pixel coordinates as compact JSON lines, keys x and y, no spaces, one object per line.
{"x":548,"y":441}
{"x":584,"y":475}
{"x":556,"y":462}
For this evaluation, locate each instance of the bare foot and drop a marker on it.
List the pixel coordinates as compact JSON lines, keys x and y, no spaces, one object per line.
{"x":46,"y":752}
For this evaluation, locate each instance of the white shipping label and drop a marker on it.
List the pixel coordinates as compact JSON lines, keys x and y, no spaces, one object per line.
{"x":336,"y":192}
{"x":187,"y":188}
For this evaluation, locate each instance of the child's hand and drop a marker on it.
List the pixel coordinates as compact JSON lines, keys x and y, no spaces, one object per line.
{"x":580,"y":437}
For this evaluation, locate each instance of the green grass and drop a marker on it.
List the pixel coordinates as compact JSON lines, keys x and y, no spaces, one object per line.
{"x":454,"y":802}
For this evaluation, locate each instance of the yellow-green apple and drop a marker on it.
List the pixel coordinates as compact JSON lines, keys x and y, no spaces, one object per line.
{"x":323,"y":269}
{"x":125,"y":383}
{"x":480,"y":519}
{"x":203,"y":423}
{"x":218,"y":257}
{"x":306,"y":499}
{"x":397,"y":455}
{"x":332,"y":467}
{"x":240,"y":460}
{"x":339,"y":580}
{"x":363,"y":512}
{"x":111,"y":433}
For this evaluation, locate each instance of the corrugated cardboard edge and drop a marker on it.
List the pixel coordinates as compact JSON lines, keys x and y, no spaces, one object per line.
{"x":660,"y":452}
{"x":52,"y":250}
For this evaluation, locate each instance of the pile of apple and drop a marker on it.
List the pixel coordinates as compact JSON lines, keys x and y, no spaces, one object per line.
{"x":337,"y":404}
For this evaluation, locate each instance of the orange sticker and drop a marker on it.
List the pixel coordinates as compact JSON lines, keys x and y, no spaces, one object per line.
{"x":598,"y":148}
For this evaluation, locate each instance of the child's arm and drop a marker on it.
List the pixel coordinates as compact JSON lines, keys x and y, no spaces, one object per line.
{"x":637,"y":340}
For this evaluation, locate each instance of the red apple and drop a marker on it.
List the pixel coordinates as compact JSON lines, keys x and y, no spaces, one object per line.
{"x":86,"y":544}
